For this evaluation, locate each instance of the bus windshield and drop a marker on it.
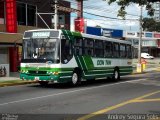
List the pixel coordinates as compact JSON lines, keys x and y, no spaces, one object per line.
{"x":41,"y":49}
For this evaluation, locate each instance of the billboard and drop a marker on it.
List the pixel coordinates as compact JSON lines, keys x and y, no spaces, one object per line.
{"x":115,"y":33}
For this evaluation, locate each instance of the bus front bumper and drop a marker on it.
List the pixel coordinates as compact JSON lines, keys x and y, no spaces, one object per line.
{"x":49,"y":78}
{"x":24,"y":76}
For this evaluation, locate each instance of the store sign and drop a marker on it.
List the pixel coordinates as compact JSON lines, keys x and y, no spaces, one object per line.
{"x":149,"y":34}
{"x":79,"y":25}
{"x":11,"y":16}
{"x":138,"y":34}
{"x":157,"y":35}
{"x":131,"y":34}
{"x":114,"y":33}
{"x":106,"y":33}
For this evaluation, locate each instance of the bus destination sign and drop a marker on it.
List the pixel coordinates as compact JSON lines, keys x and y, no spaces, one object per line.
{"x":38,"y":34}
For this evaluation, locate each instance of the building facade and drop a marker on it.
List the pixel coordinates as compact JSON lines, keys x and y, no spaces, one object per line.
{"x":16,"y":16}
{"x":156,"y":6}
{"x":150,"y":42}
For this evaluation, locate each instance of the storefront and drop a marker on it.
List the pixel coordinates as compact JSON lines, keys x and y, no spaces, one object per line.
{"x":10,"y":53}
{"x":149,"y":42}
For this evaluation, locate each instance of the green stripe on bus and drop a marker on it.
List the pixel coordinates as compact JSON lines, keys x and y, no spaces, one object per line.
{"x":88,"y":62}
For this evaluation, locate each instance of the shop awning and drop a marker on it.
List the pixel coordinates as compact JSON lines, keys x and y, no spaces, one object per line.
{"x":10,"y":38}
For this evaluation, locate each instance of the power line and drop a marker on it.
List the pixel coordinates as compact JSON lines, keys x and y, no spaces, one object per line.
{"x":98,"y":9}
{"x":104,"y":16}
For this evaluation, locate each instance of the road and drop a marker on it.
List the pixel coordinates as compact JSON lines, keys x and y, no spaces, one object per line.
{"x":134,"y":94}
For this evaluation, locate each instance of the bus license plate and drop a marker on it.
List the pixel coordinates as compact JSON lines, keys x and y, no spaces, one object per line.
{"x":36,"y":78}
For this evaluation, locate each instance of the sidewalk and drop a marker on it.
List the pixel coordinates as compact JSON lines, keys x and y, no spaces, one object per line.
{"x":12,"y":80}
{"x":13,"y":76}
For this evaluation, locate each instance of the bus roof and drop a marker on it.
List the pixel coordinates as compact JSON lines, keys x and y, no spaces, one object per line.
{"x":83,"y":35}
{"x":105,"y":38}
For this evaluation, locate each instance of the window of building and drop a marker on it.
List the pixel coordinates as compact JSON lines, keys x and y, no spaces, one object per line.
{"x":31,"y":15}
{"x":1,"y":12}
{"x":26,"y":14}
{"x":21,"y":13}
{"x":4,"y":56}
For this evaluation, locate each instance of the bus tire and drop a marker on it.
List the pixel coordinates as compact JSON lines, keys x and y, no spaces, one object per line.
{"x":116,"y":75}
{"x":76,"y":79}
{"x":43,"y":83}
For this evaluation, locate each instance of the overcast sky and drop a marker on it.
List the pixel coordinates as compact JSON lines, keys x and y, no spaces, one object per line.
{"x":100,"y":7}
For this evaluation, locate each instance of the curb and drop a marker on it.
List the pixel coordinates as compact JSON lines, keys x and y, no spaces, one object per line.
{"x":14,"y":84}
{"x":143,"y":72}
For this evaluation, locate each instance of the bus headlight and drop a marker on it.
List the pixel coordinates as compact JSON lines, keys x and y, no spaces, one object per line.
{"x":55,"y":73}
{"x":24,"y":71}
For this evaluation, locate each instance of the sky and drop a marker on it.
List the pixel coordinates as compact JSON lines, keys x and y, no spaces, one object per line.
{"x":100,"y":7}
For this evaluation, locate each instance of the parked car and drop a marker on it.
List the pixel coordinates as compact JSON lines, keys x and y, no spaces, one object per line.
{"x":146,"y":56}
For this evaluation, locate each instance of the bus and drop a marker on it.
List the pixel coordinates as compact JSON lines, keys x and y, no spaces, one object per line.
{"x":63,"y":56}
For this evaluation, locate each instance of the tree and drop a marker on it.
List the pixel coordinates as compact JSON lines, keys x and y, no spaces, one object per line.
{"x":124,"y":3}
{"x":149,"y":24}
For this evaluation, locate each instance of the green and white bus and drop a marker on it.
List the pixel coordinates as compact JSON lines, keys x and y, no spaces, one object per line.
{"x":62,"y":56}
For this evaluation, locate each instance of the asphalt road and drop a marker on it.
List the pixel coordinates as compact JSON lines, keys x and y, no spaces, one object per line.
{"x":137,"y":94}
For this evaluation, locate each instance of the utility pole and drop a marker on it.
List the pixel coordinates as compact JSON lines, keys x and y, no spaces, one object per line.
{"x":55,"y":15}
{"x":139,"y":65}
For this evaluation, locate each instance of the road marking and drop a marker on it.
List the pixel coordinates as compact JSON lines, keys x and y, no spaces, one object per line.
{"x":116,"y":106}
{"x":147,"y":95}
{"x":135,"y":81}
{"x":148,"y":100}
{"x":62,"y":93}
{"x":148,"y":82}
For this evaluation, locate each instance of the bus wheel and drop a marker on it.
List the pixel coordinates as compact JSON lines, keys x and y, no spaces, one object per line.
{"x":116,"y":75}
{"x":43,"y":83}
{"x":75,"y":79}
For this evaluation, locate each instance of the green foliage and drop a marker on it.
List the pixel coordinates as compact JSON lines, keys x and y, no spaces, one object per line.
{"x":124,"y":3}
{"x":149,"y":24}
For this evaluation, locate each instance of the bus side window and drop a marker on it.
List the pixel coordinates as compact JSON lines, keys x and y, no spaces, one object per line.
{"x":108,"y":49}
{"x":98,"y":48}
{"x":78,"y":45}
{"x":129,"y":52}
{"x":116,"y":50}
{"x":123,"y":51}
{"x":66,"y":53}
{"x":78,"y":51}
{"x":88,"y":46}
